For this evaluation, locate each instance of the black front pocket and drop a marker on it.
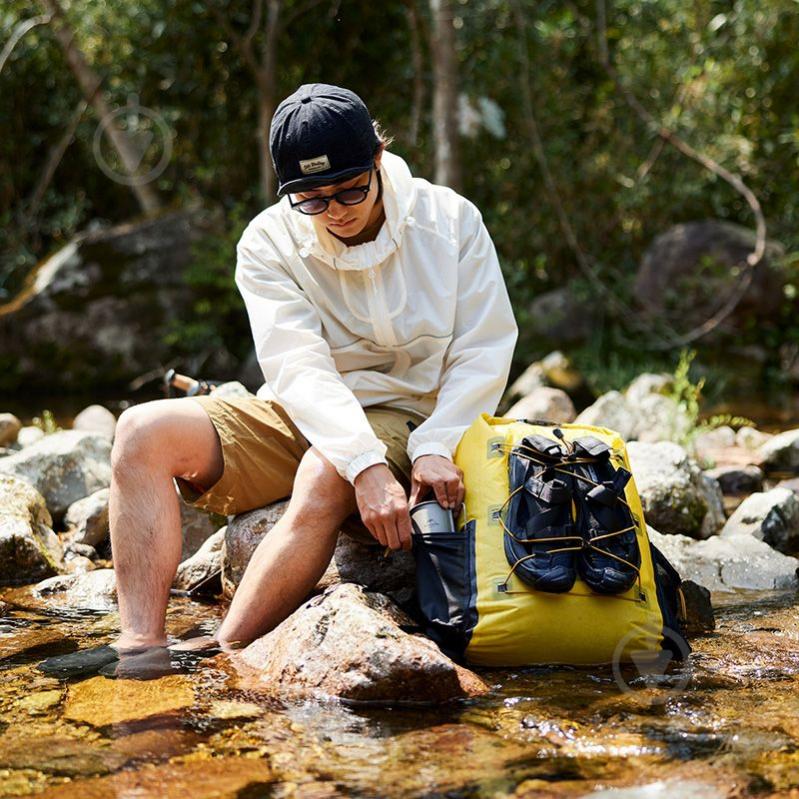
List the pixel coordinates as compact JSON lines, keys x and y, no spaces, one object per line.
{"x":445,"y":586}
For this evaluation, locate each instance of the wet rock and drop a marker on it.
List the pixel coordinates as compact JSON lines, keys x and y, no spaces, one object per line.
{"x":100,"y":701}
{"x":64,"y":467}
{"x":32,"y":638}
{"x":781,"y":452}
{"x":737,"y":480}
{"x":699,"y":609}
{"x":9,"y":428}
{"x":648,"y":383}
{"x":552,"y":404}
{"x":29,"y":435}
{"x":663,"y":789}
{"x":242,"y":536}
{"x":197,"y":527}
{"x":210,"y":778}
{"x":676,"y":497}
{"x":611,"y":410}
{"x":770,"y":516}
{"x":203,"y":565}
{"x":67,"y":757}
{"x":94,"y":590}
{"x":87,"y":519}
{"x":96,"y":419}
{"x":29,"y":549}
{"x":83,"y":550}
{"x":40,"y":702}
{"x":232,"y":389}
{"x":350,"y":644}
{"x":722,"y":564}
{"x":751,"y":438}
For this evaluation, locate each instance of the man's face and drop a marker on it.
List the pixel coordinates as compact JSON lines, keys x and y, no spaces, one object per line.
{"x":346,"y":221}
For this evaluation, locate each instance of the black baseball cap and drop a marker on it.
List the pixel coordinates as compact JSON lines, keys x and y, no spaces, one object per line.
{"x":321,"y":134}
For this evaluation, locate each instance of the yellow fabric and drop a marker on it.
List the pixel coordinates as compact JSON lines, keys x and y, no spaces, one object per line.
{"x":525,"y":626}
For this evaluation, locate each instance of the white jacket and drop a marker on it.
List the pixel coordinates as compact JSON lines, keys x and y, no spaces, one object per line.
{"x":418,"y":319}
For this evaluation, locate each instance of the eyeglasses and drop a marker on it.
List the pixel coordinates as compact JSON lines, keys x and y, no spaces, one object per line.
{"x":318,"y":205}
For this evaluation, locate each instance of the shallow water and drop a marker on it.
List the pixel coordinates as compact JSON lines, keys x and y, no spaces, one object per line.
{"x":725,"y":724}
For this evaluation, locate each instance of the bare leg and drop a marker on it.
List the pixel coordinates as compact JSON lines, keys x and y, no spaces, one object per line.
{"x":154,"y":442}
{"x":294,"y":554}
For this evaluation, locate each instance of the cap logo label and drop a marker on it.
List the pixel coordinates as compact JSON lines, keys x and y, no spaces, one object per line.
{"x":318,"y":164}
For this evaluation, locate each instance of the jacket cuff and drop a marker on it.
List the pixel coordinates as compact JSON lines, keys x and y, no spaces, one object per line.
{"x":431,"y":448}
{"x":363,"y":461}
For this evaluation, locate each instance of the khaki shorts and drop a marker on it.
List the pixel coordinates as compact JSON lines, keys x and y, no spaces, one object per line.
{"x":262,"y":449}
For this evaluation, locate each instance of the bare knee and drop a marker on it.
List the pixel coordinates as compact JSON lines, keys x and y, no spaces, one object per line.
{"x":174,"y":437}
{"x":319,"y":491}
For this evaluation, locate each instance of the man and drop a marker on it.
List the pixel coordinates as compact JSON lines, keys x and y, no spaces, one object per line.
{"x":377,"y":305}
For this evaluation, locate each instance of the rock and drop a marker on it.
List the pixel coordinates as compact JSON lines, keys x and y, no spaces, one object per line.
{"x":203,"y":566}
{"x":559,"y":317}
{"x":100,"y":701}
{"x":94,"y":590}
{"x":751,"y":438}
{"x":231,"y":389}
{"x":349,"y":644}
{"x":700,"y":260}
{"x":29,"y":549}
{"x":532,"y":378}
{"x":84,"y":550}
{"x":96,"y":419}
{"x":61,"y":756}
{"x":737,"y":480}
{"x":40,"y":702}
{"x":648,"y":383}
{"x":611,"y":410}
{"x":724,"y":564}
{"x":9,"y":428}
{"x":676,"y":497}
{"x":29,"y":435}
{"x":700,"y":617}
{"x":99,"y":310}
{"x":64,"y":467}
{"x":560,"y":372}
{"x":551,"y":404}
{"x":87,"y":519}
{"x":770,"y":516}
{"x":242,"y":536}
{"x":706,"y":443}
{"x":662,"y":789}
{"x":791,"y":485}
{"x":209,"y":778}
{"x":660,"y":418}
{"x":197,"y":527}
{"x":781,"y":452}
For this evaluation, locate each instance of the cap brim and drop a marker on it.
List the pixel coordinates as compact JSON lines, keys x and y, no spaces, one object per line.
{"x":322,"y":179}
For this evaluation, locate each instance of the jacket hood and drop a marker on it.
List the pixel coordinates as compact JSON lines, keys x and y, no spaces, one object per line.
{"x":399,"y":199}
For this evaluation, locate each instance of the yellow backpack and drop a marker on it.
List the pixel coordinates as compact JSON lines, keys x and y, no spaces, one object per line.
{"x":476,"y":606}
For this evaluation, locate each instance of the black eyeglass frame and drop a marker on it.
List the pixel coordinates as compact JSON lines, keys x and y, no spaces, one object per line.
{"x":326,"y":199}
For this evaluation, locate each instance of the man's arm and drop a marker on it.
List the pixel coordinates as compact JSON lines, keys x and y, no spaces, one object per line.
{"x":478,"y":360}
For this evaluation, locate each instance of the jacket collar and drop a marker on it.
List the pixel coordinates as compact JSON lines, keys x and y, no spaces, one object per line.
{"x":399,"y":199}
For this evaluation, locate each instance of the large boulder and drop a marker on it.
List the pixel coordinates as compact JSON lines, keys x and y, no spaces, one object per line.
{"x":648,"y":383}
{"x":98,"y":312}
{"x":550,"y":404}
{"x":781,"y":452}
{"x":726,"y":564}
{"x":9,"y":428}
{"x":29,"y":549}
{"x":703,"y":261}
{"x":611,"y":410}
{"x":770,"y":516}
{"x":676,"y":496}
{"x":350,"y":644}
{"x":204,"y":566}
{"x":737,"y":480}
{"x":63,"y":467}
{"x":87,"y":519}
{"x":660,"y":418}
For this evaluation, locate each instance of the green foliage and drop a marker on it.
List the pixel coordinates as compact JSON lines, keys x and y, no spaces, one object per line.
{"x":46,"y":422}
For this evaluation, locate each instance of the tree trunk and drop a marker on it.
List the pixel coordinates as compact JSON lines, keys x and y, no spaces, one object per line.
{"x":89,"y":83}
{"x":445,"y":95}
{"x":417,"y":59}
{"x":266,"y":84}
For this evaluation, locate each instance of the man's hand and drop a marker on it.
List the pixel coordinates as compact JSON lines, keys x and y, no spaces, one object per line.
{"x":440,"y":474}
{"x":383,"y":506}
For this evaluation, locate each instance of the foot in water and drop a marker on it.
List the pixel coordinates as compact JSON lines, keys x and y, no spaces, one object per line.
{"x":143,"y":663}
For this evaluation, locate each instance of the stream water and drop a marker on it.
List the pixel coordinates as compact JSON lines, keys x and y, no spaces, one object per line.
{"x":725,"y":724}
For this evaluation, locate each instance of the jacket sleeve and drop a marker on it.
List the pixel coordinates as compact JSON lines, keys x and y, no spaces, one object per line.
{"x":478,"y":360}
{"x":297,"y":364}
